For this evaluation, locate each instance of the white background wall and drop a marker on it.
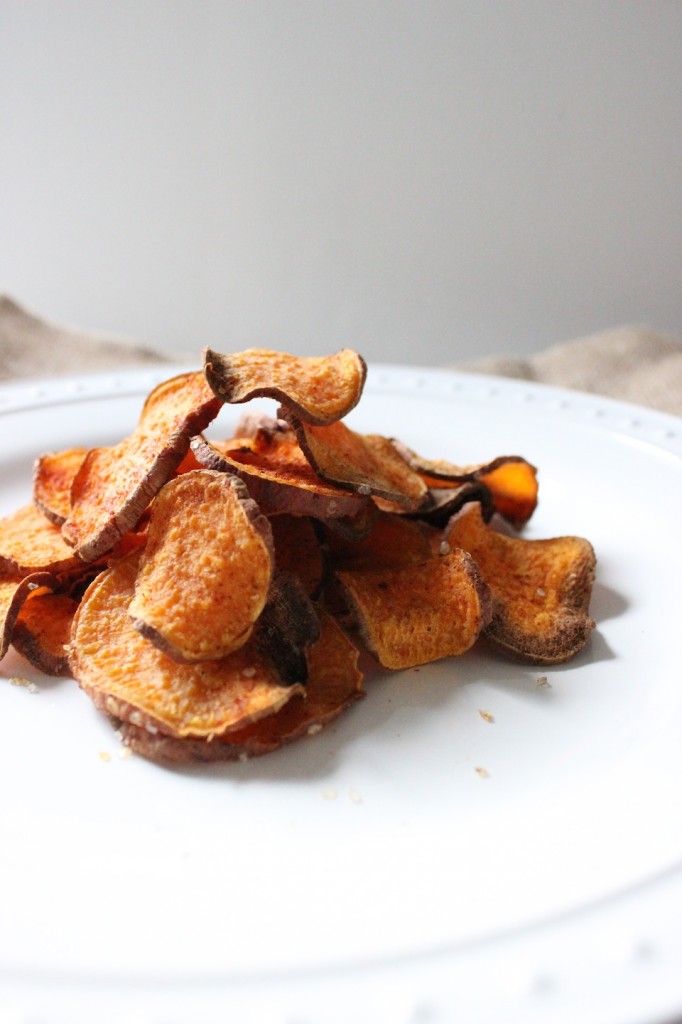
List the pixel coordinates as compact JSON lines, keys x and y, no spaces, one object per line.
{"x":425,"y":181}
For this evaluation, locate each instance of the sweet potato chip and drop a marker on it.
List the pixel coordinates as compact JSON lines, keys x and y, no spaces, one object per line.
{"x":319,"y":389}
{"x":130,"y":679}
{"x":287,"y":627}
{"x":278,"y":475}
{"x":297,"y":549}
{"x":540,"y":588}
{"x":367,"y":464}
{"x":31,"y":543}
{"x":14,"y":591}
{"x":334,"y":682}
{"x":511,"y":480}
{"x":114,"y":486}
{"x":206,"y":568}
{"x":418,"y":613}
{"x":42,"y":631}
{"x":53,"y":475}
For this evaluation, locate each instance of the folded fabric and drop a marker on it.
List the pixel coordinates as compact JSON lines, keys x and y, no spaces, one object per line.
{"x":635,"y":364}
{"x":32,"y":347}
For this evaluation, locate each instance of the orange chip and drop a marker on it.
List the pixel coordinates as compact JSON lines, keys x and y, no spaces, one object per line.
{"x":114,"y":486}
{"x":511,"y":480}
{"x":319,"y":389}
{"x":334,"y":683}
{"x":42,"y":631}
{"x":419,"y":613}
{"x":14,"y":590}
{"x":132,"y":680}
{"x":367,"y":464}
{"x":278,"y":475}
{"x":540,"y":588}
{"x":53,"y":475}
{"x":297,"y":549}
{"x":206,"y":568}
{"x":31,"y":543}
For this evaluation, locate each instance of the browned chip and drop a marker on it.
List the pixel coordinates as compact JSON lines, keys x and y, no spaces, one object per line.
{"x":287,"y":627}
{"x":31,"y":543}
{"x":130,"y":679}
{"x":540,"y":588}
{"x":278,"y":475}
{"x":367,"y":464}
{"x":114,"y":485}
{"x":43,"y":629}
{"x":297,"y":549}
{"x":53,"y":475}
{"x":14,"y":590}
{"x":511,"y":480}
{"x":319,"y":389}
{"x":418,"y":613}
{"x":334,"y":682}
{"x":206,"y":568}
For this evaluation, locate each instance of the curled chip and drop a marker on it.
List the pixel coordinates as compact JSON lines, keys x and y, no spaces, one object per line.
{"x":367,"y":464}
{"x":511,"y":480}
{"x":206,"y":568}
{"x":31,"y":543}
{"x":43,"y":629}
{"x":278,"y":475}
{"x":288,"y":626}
{"x":334,"y":683}
{"x":540,"y":588}
{"x":114,"y":486}
{"x":418,"y":613}
{"x":14,"y":591}
{"x":130,"y":679}
{"x":53,"y":475}
{"x":319,"y":389}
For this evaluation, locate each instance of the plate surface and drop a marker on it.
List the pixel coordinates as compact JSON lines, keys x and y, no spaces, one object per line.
{"x":374,"y":872}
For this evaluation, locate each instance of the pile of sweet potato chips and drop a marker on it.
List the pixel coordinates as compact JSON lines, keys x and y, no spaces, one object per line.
{"x":214,"y":598}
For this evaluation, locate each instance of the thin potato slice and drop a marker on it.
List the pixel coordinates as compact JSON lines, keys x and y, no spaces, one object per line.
{"x":206,"y":568}
{"x":511,"y":480}
{"x":31,"y":543}
{"x":540,"y":588}
{"x":334,"y":683}
{"x":319,"y":389}
{"x":367,"y":464}
{"x":130,"y":679}
{"x":53,"y":475}
{"x":278,"y":475}
{"x":115,"y":485}
{"x":42,"y":632}
{"x":14,"y":591}
{"x":297,"y":549}
{"x":418,"y":613}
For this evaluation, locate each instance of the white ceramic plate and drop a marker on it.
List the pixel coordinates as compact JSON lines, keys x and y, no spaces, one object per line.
{"x":371,"y":873}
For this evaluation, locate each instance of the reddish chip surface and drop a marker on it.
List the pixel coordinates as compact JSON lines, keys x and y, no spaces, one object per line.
{"x":115,"y":485}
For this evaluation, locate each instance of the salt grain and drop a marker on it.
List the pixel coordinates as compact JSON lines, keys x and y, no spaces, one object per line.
{"x":314,"y":729}
{"x":329,"y":794}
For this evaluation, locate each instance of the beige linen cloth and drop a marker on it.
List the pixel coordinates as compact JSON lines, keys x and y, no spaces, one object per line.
{"x":635,"y":364}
